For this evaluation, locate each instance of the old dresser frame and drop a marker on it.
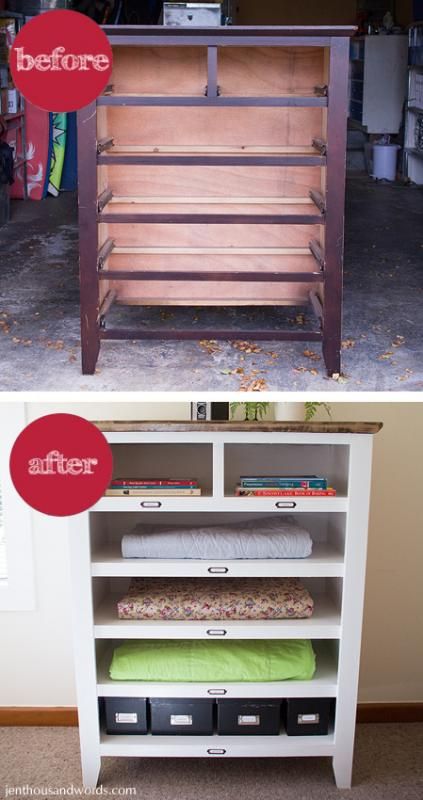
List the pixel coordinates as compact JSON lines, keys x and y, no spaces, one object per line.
{"x":101,"y":283}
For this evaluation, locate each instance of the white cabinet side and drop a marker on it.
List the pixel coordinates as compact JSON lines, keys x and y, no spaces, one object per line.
{"x":352,"y":607}
{"x":84,"y":649}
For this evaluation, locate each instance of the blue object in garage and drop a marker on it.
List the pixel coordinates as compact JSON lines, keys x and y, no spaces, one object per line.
{"x":69,"y":180}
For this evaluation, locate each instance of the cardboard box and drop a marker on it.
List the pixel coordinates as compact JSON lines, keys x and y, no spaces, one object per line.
{"x":248,"y":717}
{"x":192,"y":14}
{"x":3,"y":101}
{"x":12,"y":101}
{"x":126,"y":715}
{"x":307,"y":716}
{"x":181,"y":716}
{"x":4,"y":76}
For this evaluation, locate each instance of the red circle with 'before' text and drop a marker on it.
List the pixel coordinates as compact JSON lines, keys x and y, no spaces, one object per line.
{"x":61,"y":60}
{"x":61,"y":464}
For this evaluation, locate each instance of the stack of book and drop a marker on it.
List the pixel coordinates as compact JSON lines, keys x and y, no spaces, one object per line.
{"x":283,"y":486}
{"x":136,"y":487}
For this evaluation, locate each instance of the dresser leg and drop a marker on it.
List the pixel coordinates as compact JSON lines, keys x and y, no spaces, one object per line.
{"x":90,"y":345}
{"x":90,"y":770}
{"x":342,"y":770}
{"x":332,"y":356}
{"x":88,"y":236}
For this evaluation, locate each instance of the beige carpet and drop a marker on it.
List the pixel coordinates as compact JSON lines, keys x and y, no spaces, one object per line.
{"x":388,"y":766}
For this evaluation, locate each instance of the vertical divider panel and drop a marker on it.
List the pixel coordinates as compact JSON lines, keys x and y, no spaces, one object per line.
{"x":352,"y":606}
{"x":218,"y":469}
{"x":212,"y":90}
{"x":84,"y":648}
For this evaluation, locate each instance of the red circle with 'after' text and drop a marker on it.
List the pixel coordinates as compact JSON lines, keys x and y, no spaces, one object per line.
{"x":61,"y":464}
{"x":61,"y":60}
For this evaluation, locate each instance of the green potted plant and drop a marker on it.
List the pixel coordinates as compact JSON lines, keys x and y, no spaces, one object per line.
{"x":254,"y":412}
{"x":312,"y":408}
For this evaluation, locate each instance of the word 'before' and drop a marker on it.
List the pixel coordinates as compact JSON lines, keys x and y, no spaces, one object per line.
{"x":58,"y":60}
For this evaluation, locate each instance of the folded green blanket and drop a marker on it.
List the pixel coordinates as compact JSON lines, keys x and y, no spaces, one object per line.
{"x":195,"y":660}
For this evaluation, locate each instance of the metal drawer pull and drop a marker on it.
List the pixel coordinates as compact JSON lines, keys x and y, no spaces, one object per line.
{"x":216,"y":632}
{"x":283,"y":504}
{"x":151,"y":504}
{"x":216,"y":751}
{"x":218,"y":570}
{"x":217,"y":691}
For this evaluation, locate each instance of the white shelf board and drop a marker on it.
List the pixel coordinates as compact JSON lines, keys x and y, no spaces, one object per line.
{"x":216,"y":503}
{"x":323,"y":684}
{"x":324,"y":561}
{"x":302,"y":504}
{"x":198,"y":746}
{"x":324,"y":624}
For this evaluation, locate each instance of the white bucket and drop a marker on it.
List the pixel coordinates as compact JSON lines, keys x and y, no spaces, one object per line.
{"x":385,"y":161}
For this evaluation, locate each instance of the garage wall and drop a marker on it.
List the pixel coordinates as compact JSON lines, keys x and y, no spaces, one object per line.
{"x":36,"y":665}
{"x":307,"y":12}
{"x":302,"y":12}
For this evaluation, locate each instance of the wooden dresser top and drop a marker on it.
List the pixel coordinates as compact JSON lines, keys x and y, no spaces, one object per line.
{"x":120,"y":426}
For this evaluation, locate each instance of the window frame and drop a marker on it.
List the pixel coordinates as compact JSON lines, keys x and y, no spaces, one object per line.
{"x":17,"y":591}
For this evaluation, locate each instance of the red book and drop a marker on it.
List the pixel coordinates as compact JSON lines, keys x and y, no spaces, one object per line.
{"x":154,"y":482}
{"x":241,"y":492}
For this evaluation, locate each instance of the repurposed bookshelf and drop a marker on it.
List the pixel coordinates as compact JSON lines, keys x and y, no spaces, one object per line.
{"x":212,"y":172}
{"x":217,"y":453}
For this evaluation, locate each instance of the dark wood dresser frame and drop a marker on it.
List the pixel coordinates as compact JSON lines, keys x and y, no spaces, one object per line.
{"x":100,"y":281}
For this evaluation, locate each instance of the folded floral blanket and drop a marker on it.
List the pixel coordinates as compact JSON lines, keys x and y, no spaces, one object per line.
{"x":215,"y":599}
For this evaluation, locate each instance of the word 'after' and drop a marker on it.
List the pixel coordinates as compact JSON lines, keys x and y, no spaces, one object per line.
{"x":56,"y":463}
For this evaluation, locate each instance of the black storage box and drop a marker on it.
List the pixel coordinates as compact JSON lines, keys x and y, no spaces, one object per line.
{"x":307,"y":716}
{"x":181,"y":716}
{"x":126,"y":714}
{"x":249,"y":717}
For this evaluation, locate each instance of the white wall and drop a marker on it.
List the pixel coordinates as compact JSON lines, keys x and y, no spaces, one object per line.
{"x":36,"y":661}
{"x":392,"y":644}
{"x":36,"y":665}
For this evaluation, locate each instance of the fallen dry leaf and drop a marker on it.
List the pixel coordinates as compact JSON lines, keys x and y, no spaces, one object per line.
{"x":385,"y":356}
{"x":210,"y":346}
{"x":407,"y":374}
{"x":247,"y":347}
{"x":347,"y":344}
{"x":310,"y":370}
{"x":398,"y":341}
{"x":312,"y":355}
{"x":256,"y":385}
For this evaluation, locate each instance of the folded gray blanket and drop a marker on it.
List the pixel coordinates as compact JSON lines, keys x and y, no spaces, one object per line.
{"x":268,"y":537}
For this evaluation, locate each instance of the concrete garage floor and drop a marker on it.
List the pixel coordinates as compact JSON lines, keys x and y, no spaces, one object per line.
{"x":382,"y":333}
